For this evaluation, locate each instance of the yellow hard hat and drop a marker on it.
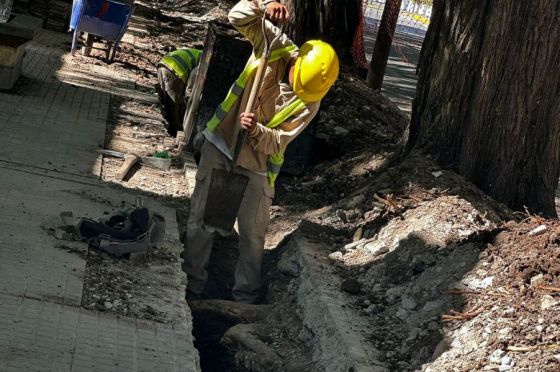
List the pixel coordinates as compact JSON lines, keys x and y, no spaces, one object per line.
{"x":315,"y":71}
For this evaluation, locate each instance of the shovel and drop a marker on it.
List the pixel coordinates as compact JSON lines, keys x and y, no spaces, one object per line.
{"x":226,"y":189}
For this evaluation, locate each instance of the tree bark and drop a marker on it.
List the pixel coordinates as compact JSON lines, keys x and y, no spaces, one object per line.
{"x":383,"y":43}
{"x":488,"y":97}
{"x":334,"y":21}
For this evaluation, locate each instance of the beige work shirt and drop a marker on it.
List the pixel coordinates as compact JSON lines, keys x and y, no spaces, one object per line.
{"x":274,"y":96}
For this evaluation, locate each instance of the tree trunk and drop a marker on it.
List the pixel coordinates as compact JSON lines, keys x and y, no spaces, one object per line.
{"x":334,"y":21}
{"x":383,"y":43}
{"x":488,"y":97}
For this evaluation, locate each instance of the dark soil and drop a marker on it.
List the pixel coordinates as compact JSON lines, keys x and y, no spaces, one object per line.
{"x":12,"y":41}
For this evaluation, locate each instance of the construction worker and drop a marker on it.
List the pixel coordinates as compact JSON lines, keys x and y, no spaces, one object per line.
{"x":176,"y":74}
{"x":294,"y":83}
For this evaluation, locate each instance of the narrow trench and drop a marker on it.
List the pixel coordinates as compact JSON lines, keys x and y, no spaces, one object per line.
{"x":208,"y":328}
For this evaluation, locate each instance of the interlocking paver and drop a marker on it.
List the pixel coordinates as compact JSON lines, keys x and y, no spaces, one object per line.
{"x":50,"y":128}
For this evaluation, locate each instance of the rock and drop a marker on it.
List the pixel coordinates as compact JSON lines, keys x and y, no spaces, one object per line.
{"x":336,"y":256}
{"x":367,"y":302}
{"x":402,"y":314}
{"x":547,"y":302}
{"x":108,"y":305}
{"x":496,"y":356}
{"x":431,"y":306}
{"x":357,"y":234}
{"x":352,"y":215}
{"x":323,"y":136}
{"x":356,"y":201}
{"x":504,"y":333}
{"x":507,"y":361}
{"x":433,"y":326}
{"x":370,"y":310}
{"x":340,"y":131}
{"x":474,"y":283}
{"x":393,"y":293}
{"x":413,"y":334}
{"x":376,"y":248}
{"x":371,"y":215}
{"x":437,"y":174}
{"x":441,"y":347}
{"x":351,"y":286}
{"x":537,"y":279}
{"x":408,"y":303}
{"x":342,"y":215}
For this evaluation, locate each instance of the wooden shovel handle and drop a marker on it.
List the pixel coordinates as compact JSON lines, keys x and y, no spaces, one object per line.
{"x":251,"y":102}
{"x":129,"y":161}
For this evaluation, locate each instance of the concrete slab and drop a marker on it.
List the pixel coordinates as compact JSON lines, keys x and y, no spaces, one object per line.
{"x":42,"y":336}
{"x":50,"y":123}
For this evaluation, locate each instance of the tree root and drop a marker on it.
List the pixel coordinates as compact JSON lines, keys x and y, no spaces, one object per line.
{"x":234,"y":312}
{"x":251,"y":351}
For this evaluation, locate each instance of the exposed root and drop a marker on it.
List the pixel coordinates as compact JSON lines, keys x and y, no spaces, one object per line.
{"x":252,"y":352}
{"x":234,"y":312}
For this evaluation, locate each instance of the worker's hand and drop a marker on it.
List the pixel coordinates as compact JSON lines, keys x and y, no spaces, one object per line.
{"x":248,"y":121}
{"x":277,"y":12}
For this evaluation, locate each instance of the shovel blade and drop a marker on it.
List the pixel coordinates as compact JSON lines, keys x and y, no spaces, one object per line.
{"x":225,"y":194}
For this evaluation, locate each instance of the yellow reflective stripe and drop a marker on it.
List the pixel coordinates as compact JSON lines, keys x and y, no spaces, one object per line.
{"x":286,"y":112}
{"x":271,"y":178}
{"x":278,"y":53}
{"x":190,"y":56}
{"x":239,"y":85}
{"x":182,"y":62}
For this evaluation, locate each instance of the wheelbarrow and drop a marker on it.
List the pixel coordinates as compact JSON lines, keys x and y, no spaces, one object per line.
{"x":103,"y":19}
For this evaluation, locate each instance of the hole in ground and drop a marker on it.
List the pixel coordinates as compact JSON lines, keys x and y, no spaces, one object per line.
{"x":208,"y":327}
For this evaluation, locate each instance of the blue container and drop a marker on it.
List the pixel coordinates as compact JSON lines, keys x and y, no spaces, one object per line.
{"x":106,"y":19}
{"x":77,"y":6}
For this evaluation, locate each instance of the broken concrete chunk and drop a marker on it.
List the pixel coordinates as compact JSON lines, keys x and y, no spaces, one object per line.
{"x":496,"y":356}
{"x":376,"y":248}
{"x":474,"y":283}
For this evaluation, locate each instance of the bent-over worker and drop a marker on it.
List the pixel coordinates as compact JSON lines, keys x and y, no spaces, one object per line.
{"x":294,"y":83}
{"x":176,"y":75}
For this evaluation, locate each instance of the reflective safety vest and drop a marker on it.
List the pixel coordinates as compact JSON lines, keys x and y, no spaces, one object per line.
{"x":182,"y":62}
{"x":275,"y":161}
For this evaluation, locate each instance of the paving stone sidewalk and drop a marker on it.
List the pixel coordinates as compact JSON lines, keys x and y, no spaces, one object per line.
{"x":50,"y":127}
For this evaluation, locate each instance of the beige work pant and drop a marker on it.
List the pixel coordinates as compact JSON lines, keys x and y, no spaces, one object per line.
{"x":252,"y":219}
